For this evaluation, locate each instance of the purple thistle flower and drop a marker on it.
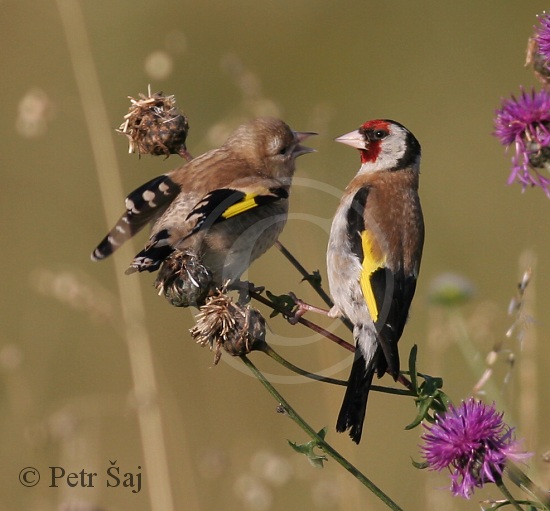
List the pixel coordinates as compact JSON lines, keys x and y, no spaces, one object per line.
{"x":542,"y":36}
{"x":525,"y":122}
{"x":473,"y":442}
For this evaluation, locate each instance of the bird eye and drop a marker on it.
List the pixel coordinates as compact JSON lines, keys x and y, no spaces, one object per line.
{"x":380,"y":134}
{"x":283,"y":150}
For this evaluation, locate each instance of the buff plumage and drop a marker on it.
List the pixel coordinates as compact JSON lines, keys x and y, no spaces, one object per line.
{"x":227,"y":206}
{"x":374,"y":254}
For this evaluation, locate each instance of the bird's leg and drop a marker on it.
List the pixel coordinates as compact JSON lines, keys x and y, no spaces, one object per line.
{"x":303,"y":307}
{"x":401,"y":378}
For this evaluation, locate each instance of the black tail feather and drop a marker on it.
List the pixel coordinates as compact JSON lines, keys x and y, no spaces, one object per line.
{"x":354,"y":406}
{"x":152,"y":256}
{"x":143,"y":206}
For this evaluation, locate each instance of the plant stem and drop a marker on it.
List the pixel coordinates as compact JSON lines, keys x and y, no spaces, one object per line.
{"x":305,"y":274}
{"x":508,"y":495}
{"x":334,"y":338}
{"x":316,"y":328}
{"x":322,"y":444}
{"x":144,"y":380}
{"x":313,"y":283}
{"x":522,"y":480}
{"x":268,"y":350}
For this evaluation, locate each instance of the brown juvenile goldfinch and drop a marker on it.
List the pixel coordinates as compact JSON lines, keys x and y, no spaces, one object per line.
{"x":374,"y":254}
{"x":227,"y":206}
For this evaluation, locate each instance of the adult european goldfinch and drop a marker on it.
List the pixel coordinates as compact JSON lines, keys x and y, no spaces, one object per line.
{"x":227,"y":206}
{"x":373,"y":256}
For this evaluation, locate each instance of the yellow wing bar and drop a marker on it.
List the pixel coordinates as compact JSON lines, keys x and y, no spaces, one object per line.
{"x":246,"y":203}
{"x":371,"y":263}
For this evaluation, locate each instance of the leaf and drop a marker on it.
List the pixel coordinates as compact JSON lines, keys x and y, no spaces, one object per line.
{"x":314,"y":278}
{"x":322,"y":433}
{"x":424,"y":405}
{"x":501,"y":504}
{"x":444,"y":398}
{"x":428,"y":394}
{"x":420,"y":464}
{"x":307,"y":449}
{"x":281,"y":302}
{"x":412,"y":368}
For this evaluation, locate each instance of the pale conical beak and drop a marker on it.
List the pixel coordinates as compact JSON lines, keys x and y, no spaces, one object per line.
{"x":300,"y":137}
{"x":353,"y":139}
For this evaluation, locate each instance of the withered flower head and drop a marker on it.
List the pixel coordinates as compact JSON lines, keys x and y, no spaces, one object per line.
{"x":155,"y":126}
{"x":238,"y":329}
{"x":184,"y":280}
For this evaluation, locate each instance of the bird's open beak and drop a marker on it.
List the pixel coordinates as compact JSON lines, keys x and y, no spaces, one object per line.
{"x":353,"y":139}
{"x":300,"y":137}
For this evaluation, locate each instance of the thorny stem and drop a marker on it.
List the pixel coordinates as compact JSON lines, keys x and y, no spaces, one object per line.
{"x":305,"y":322}
{"x":327,"y":334}
{"x":305,"y":274}
{"x":312,"y":282}
{"x":317,"y":286}
{"x":402,"y":379}
{"x":322,"y":444}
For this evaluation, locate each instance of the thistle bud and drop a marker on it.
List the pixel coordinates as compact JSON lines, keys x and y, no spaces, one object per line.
{"x":155,"y":126}
{"x":184,"y":280}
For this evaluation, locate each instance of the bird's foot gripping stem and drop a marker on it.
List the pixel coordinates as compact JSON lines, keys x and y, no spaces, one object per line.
{"x":301,"y":308}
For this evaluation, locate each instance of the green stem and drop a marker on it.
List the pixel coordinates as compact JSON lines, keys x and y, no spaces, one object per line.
{"x":522,"y":480}
{"x":268,"y":350}
{"x":330,"y":451}
{"x":508,"y":495}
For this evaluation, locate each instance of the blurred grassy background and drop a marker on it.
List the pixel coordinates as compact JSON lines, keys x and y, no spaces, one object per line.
{"x":66,"y":390}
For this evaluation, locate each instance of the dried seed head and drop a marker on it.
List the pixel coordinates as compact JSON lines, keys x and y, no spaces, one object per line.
{"x":184,"y":280}
{"x":155,"y":126}
{"x":238,"y":329}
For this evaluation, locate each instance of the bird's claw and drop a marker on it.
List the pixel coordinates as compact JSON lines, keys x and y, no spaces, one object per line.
{"x":300,"y":309}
